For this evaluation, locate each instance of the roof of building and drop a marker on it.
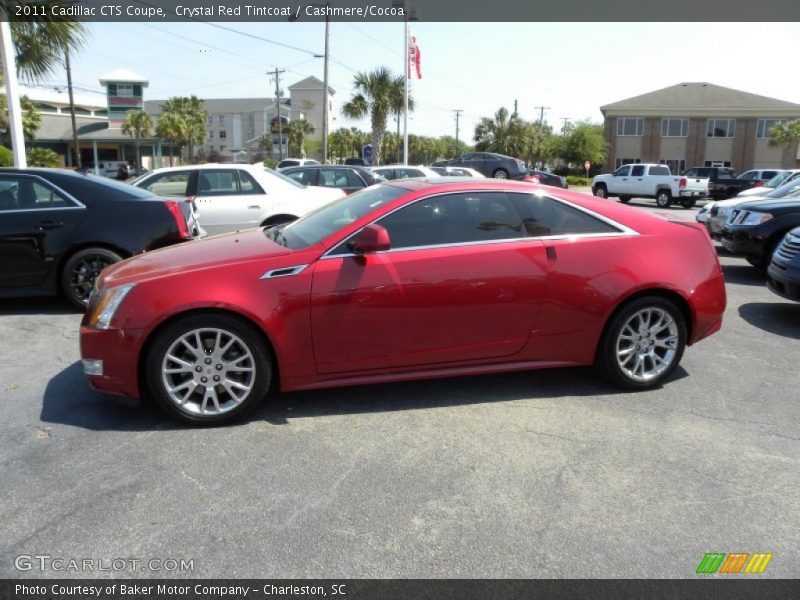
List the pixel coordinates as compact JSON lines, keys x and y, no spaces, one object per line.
{"x":58,"y":128}
{"x":124,"y":75}
{"x":60,"y":96}
{"x":700,"y":95}
{"x":311,"y":83}
{"x":229,"y":105}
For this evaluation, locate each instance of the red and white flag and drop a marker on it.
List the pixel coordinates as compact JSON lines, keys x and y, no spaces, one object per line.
{"x":414,"y":64}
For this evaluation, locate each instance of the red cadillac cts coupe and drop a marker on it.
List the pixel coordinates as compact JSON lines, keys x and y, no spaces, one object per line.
{"x":404,"y":280}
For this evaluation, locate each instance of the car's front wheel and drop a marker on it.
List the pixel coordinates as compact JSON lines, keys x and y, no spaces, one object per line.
{"x":500,"y":174}
{"x":600,"y":191}
{"x":80,"y":271}
{"x":643,"y":343}
{"x":208,"y":368}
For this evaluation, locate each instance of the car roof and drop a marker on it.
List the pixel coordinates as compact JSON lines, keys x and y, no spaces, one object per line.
{"x":245,"y":166}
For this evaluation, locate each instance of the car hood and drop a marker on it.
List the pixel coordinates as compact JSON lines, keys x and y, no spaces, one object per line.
{"x":772,"y":205}
{"x":215,"y":251}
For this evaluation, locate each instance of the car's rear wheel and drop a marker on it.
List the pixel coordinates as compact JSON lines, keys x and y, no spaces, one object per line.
{"x":500,"y":174}
{"x":600,"y":191}
{"x":643,"y":343}
{"x":688,"y":202}
{"x":663,"y":199}
{"x":208,"y":369}
{"x":80,"y":271}
{"x":625,"y":199}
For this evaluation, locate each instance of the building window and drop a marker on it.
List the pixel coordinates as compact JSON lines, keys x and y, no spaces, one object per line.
{"x":675,"y":166}
{"x":721,"y":128}
{"x":630,"y":126}
{"x":210,"y":120}
{"x":717,"y":163}
{"x":211,"y":135}
{"x":222,"y":148}
{"x":626,"y":161}
{"x":764,"y":125}
{"x":125,"y":90}
{"x":222,"y":120}
{"x":223,"y":134}
{"x":674,"y":127}
{"x":251,"y":126}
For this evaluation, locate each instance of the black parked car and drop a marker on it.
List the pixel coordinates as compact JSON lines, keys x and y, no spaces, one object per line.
{"x":755,"y":228}
{"x":783,"y":274}
{"x":722,"y":181}
{"x":59,"y":229}
{"x":346,"y":178}
{"x":547,"y":178}
{"x":488,"y":163}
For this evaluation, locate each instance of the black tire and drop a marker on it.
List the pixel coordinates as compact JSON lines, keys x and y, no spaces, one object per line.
{"x":688,"y":202}
{"x":663,"y":199}
{"x":600,"y":191}
{"x":500,"y":174}
{"x":259,"y":362}
{"x":761,"y":263}
{"x":607,"y":362}
{"x":80,"y":271}
{"x":625,"y":199}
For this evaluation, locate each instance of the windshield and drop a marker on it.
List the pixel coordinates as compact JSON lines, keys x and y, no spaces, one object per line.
{"x":788,"y":189}
{"x":319,"y":224}
{"x":283,"y":178}
{"x":778,"y":179}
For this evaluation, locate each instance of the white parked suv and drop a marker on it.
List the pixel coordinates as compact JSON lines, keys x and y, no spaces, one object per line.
{"x":234,"y":196}
{"x":650,"y":181}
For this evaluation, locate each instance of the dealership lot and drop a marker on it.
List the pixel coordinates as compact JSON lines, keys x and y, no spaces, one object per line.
{"x":539,"y":474}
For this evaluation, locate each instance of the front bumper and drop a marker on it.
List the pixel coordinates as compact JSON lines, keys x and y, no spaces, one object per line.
{"x":118,"y":350}
{"x":743,"y":240}
{"x":784,"y":281}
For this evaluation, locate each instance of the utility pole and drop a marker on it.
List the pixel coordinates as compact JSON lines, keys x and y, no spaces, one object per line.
{"x":458,"y":112}
{"x":75,"y":143}
{"x":541,"y":113}
{"x":564,"y":126}
{"x":515,"y":106}
{"x":277,"y":75}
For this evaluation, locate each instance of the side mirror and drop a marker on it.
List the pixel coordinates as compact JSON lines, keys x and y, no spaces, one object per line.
{"x":373,"y":238}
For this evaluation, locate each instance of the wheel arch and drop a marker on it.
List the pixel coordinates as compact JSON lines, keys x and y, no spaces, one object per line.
{"x":668,"y":294}
{"x":243,"y":319}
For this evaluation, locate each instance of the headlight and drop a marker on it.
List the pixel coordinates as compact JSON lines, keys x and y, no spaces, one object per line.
{"x":107,"y":305}
{"x":756,"y":218}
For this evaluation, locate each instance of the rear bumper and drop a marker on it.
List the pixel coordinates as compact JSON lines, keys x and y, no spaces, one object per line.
{"x":691,"y":194}
{"x":118,"y":350}
{"x":708,"y":301}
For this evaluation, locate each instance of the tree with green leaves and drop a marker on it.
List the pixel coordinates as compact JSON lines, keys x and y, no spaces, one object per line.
{"x":502,"y":134}
{"x":296,"y":131}
{"x":137,"y":124}
{"x":194,"y":117}
{"x":39,"y":45}
{"x":42,"y":157}
{"x":377,"y":95}
{"x":31,"y":117}
{"x":172,"y":127}
{"x":785,"y":134}
{"x":585,"y":141}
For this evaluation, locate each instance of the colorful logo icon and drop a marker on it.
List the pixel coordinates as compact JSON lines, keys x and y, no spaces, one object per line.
{"x":716,"y":562}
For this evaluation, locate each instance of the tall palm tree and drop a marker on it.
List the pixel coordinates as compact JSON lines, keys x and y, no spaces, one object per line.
{"x":297,"y":131}
{"x":39,"y":45}
{"x":341,"y":140}
{"x":172,"y":127}
{"x":378,"y":93}
{"x":502,"y":134}
{"x":137,"y":124}
{"x":194,"y":115}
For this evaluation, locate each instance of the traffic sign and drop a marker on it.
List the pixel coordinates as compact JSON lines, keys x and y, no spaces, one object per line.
{"x":587,"y":165}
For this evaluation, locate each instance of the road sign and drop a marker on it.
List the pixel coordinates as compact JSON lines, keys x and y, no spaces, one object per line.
{"x":587,"y":165}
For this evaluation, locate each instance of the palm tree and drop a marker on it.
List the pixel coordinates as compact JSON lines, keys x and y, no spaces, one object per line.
{"x":297,"y":131}
{"x":137,"y":124}
{"x":342,"y":141}
{"x":194,"y":115}
{"x":172,"y":127}
{"x":502,"y":134}
{"x":39,"y":46}
{"x":377,"y":94}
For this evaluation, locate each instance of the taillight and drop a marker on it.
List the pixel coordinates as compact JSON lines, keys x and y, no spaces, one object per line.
{"x":180,"y":221}
{"x":682,"y":184}
{"x":758,"y":184}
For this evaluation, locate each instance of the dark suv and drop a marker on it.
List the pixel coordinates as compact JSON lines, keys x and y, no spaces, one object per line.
{"x":490,"y":164}
{"x":783,"y":274}
{"x":755,"y":228}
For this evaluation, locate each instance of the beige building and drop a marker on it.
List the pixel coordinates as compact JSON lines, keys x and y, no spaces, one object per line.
{"x":698,"y":124}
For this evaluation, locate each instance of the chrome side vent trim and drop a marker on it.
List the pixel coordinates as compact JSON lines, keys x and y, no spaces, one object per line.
{"x":283,"y":272}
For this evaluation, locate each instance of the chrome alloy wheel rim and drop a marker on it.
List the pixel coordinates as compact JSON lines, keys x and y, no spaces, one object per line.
{"x":208,"y":371}
{"x":647,"y":344}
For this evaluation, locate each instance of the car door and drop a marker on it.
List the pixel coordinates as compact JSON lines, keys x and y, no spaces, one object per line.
{"x":618,"y":184}
{"x":225,"y":204}
{"x":461,"y":281}
{"x":36,"y":222}
{"x":637,"y":182}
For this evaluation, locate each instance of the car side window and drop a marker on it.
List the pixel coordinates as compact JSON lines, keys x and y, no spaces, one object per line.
{"x":301,"y":176}
{"x":690,"y":173}
{"x":749,"y":176}
{"x":545,"y":216}
{"x":217,"y":182}
{"x":248,"y":185}
{"x":335,"y":178}
{"x":767,"y":175}
{"x":622,"y":171}
{"x":168,"y":184}
{"x":353,"y":180}
{"x":637,"y":171}
{"x":453,"y":219}
{"x":23,"y":193}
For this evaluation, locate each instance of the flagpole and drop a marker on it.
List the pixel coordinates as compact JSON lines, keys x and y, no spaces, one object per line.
{"x":406,"y":67}
{"x":12,"y":93}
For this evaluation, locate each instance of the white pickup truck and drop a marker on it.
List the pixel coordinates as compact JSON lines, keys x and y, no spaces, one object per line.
{"x":650,"y":181}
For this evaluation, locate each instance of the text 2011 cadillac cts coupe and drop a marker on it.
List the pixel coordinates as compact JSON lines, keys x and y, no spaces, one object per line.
{"x":408,"y":280}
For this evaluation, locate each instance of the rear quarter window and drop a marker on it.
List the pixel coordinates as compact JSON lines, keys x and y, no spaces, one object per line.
{"x":659,"y":171}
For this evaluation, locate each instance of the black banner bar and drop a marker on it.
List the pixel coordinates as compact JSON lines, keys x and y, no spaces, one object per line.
{"x":733,"y":588}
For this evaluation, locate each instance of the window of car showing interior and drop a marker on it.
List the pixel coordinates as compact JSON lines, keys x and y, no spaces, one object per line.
{"x":637,"y":171}
{"x":690,"y":173}
{"x":25,"y":193}
{"x":336,"y":178}
{"x":544,"y":216}
{"x":302,"y":176}
{"x":657,"y":171}
{"x":248,"y":185}
{"x":168,"y":184}
{"x":622,"y":171}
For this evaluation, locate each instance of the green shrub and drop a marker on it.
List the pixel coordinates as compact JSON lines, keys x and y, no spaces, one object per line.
{"x":6,"y":157}
{"x":580,"y":181}
{"x":270,"y":163}
{"x":42,"y":157}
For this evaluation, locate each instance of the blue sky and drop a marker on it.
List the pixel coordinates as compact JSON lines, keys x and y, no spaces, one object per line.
{"x":573,"y":68}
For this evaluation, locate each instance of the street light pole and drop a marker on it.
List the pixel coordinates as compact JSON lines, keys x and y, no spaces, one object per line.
{"x":14,"y":109}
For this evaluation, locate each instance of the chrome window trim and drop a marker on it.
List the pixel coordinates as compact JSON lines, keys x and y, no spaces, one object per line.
{"x":295,"y":270}
{"x":48,"y":184}
{"x":625,"y":231}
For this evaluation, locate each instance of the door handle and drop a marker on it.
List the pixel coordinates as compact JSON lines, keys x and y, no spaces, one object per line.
{"x":45,"y":225}
{"x":254,"y":206}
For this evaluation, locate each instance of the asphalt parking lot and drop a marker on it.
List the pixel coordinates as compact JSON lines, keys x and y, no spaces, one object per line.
{"x":539,"y":474}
